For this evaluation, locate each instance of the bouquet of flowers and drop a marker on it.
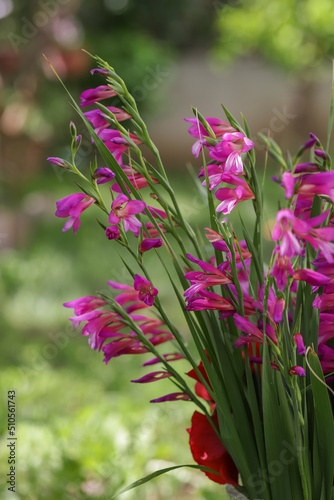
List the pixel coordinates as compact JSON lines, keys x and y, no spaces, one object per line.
{"x":260,"y":335}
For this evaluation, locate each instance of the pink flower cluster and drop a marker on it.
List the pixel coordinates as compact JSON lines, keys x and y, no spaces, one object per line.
{"x":107,"y":330}
{"x":199,"y":298}
{"x":295,"y":229}
{"x":124,"y":211}
{"x":226,"y":166}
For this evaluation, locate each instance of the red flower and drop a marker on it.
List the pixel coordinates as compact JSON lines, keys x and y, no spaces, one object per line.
{"x":200,"y":390}
{"x":207,"y":450}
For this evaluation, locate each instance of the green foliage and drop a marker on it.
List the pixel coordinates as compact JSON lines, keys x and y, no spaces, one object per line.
{"x":296,"y":35}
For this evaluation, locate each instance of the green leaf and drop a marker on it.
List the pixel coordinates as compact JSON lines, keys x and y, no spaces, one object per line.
{"x":323,"y":421}
{"x":157,"y":473}
{"x":273,"y":428}
{"x":232,"y":120}
{"x":274,"y":150}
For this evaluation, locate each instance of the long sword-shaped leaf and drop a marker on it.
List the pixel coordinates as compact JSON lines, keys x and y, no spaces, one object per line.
{"x":273,"y":429}
{"x":323,"y":421}
{"x":157,"y":473}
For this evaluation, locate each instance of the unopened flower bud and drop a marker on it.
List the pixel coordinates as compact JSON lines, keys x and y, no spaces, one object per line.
{"x":77,"y":142}
{"x":73,"y":130}
{"x":99,"y":71}
{"x":321,"y":154}
{"x":59,"y":162}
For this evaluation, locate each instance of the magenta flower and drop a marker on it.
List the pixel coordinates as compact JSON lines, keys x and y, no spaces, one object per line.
{"x":113,"y":232}
{"x":153,"y":231}
{"x":320,"y":183}
{"x":321,"y":154}
{"x":99,"y":71}
{"x":215,"y":173}
{"x":206,"y":300}
{"x":91,"y":96}
{"x":299,"y":341}
{"x":103,"y":175}
{"x":200,"y":280}
{"x":289,"y":181}
{"x":146,"y":290}
{"x":116,"y":144}
{"x":97,"y":118}
{"x":281,"y":269}
{"x":102,"y":325}
{"x":311,"y":277}
{"x":72,"y":206}
{"x":174,"y":396}
{"x":137,"y":180}
{"x":253,"y":333}
{"x":85,"y":304}
{"x":126,"y":213}
{"x":289,"y":230}
{"x":152,"y":377}
{"x":311,"y":142}
{"x":229,"y":150}
{"x":306,"y":168}
{"x":59,"y":162}
{"x":219,"y":128}
{"x":148,"y":243}
{"x":297,"y":370}
{"x":326,"y":354}
{"x":174,"y":356}
{"x":230,"y":197}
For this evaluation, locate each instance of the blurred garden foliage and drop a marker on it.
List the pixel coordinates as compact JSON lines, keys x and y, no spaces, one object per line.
{"x":295,"y":34}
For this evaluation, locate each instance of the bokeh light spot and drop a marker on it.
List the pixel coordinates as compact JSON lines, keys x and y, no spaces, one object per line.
{"x":116,"y":6}
{"x":6,"y":7}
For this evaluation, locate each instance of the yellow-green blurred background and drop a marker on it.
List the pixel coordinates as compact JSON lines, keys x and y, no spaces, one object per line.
{"x":83,"y":429}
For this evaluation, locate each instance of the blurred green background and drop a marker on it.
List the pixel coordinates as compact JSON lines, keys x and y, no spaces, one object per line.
{"x":84,"y":430}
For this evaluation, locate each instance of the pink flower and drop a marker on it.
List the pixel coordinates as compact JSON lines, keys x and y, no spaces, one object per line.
{"x":299,"y":341}
{"x":311,"y":277}
{"x":85,"y":304}
{"x":153,"y":231}
{"x":174,"y":356}
{"x":297,"y":370}
{"x":113,"y":232}
{"x":99,"y":71}
{"x":91,"y":96}
{"x":174,"y":396}
{"x":103,"y":175}
{"x":290,"y":230}
{"x":219,"y":128}
{"x":215,"y":173}
{"x":126,"y":213}
{"x":97,"y":118}
{"x":206,"y":300}
{"x":137,"y":180}
{"x":200,"y":280}
{"x":281,"y":269}
{"x":253,"y":333}
{"x":229,"y":150}
{"x":321,"y":183}
{"x":116,"y":144}
{"x":152,"y":377}
{"x":148,"y":243}
{"x":289,"y":245}
{"x":72,"y":206}
{"x":59,"y":162}
{"x":146,"y":290}
{"x":230,"y":197}
{"x":326,"y":354}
